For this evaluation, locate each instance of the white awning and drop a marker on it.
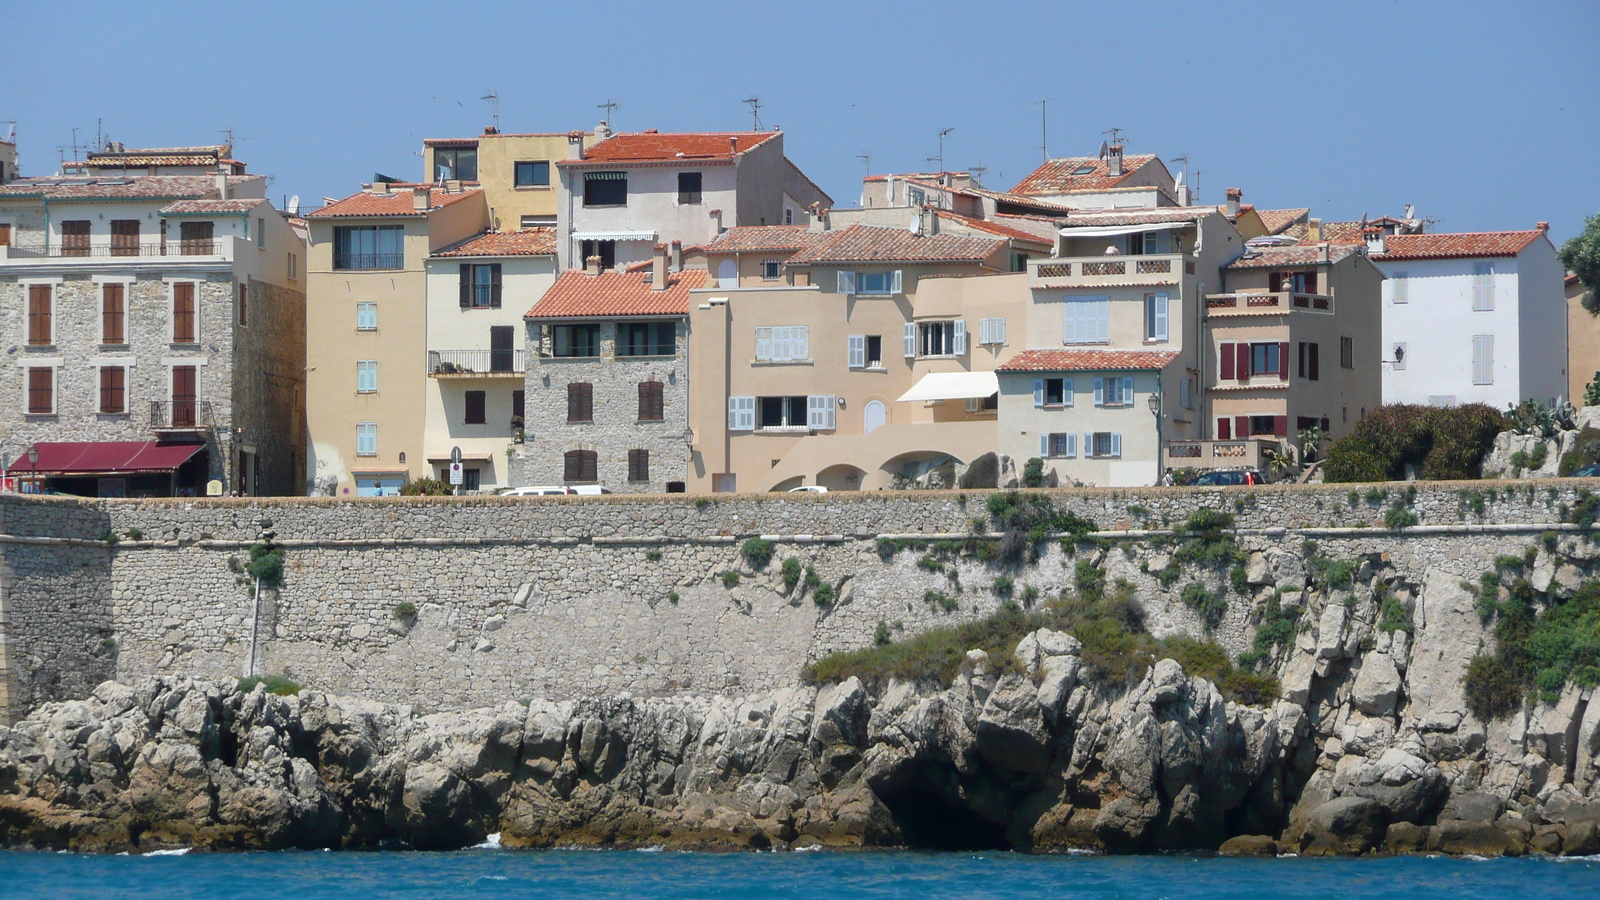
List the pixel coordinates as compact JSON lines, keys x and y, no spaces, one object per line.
{"x":953,"y":386}
{"x":1114,"y":230}
{"x":613,"y":235}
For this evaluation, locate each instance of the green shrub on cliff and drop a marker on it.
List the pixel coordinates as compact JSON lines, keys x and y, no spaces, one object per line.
{"x":1442,"y":442}
{"x":275,"y":684}
{"x":1585,"y":451}
{"x":757,"y":552}
{"x":266,"y":563}
{"x":1541,"y":645}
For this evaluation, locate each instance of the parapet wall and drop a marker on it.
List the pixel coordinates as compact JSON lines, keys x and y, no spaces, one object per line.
{"x":560,"y":597}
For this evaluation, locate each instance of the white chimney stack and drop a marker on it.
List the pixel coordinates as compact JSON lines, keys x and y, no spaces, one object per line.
{"x":675,"y":256}
{"x":222,"y":184}
{"x":1234,"y":196}
{"x":658,"y":269}
{"x":1114,"y":160}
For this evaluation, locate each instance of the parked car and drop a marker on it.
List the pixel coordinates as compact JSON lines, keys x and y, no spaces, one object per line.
{"x":1592,"y":470}
{"x":808,"y":489}
{"x":1227,"y":477}
{"x":538,"y":490}
{"x":589,"y":490}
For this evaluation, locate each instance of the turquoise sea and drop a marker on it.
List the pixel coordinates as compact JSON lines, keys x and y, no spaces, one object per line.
{"x":505,"y":875}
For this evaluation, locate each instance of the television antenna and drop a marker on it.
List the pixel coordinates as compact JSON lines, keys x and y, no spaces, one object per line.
{"x":866,"y":161}
{"x":1044,"y":133}
{"x":610,"y":106}
{"x":1116,"y":135}
{"x":940,"y":158}
{"x":755,"y":112}
{"x":494,"y":107}
{"x":978,"y":170}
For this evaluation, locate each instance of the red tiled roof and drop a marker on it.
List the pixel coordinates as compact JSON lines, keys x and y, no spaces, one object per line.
{"x":1333,"y":232}
{"x":647,"y":146}
{"x":528,"y":242}
{"x":1276,"y":220}
{"x":1056,"y":176}
{"x":1293,"y":255}
{"x":1031,"y":230}
{"x":577,"y":294}
{"x":132,"y":187}
{"x":1087,"y":360}
{"x":1139,"y":216}
{"x":395,"y":203}
{"x":1464,"y":245}
{"x":773,"y":238}
{"x":876,"y":243}
{"x":210,"y":207}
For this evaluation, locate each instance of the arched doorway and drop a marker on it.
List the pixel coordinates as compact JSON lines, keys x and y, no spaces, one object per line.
{"x":727,"y":274}
{"x":873,"y":416}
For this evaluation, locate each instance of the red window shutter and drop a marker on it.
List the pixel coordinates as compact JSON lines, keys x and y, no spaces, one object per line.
{"x":1280,"y":426}
{"x":1314,"y":362}
{"x":1242,"y":352}
{"x":1241,"y":425}
{"x":1283,"y":360}
{"x":1224,"y":430}
{"x":1227,"y":361}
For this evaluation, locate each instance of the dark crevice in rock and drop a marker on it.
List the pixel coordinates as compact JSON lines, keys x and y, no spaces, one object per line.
{"x":928,"y":807}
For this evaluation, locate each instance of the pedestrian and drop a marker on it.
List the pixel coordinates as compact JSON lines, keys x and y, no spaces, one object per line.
{"x":1167,"y":480}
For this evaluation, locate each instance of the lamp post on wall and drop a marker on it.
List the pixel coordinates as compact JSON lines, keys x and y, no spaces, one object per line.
{"x":5,"y":463}
{"x":1155,"y":410}
{"x":33,"y":466}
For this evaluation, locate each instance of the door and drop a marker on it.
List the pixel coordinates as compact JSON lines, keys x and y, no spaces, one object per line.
{"x":727,"y":274}
{"x":183,"y":396}
{"x":500,"y":350}
{"x":874,"y":415}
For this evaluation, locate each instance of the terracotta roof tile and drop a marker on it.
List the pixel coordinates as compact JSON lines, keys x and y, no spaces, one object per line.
{"x":577,"y":294}
{"x":210,"y":207}
{"x":1464,"y":245}
{"x":1034,"y":231}
{"x":1334,"y":232}
{"x":1087,"y":360}
{"x":397,"y":202}
{"x":876,"y":243}
{"x":1057,"y":176}
{"x":1293,"y":255}
{"x":771,"y":238}
{"x":1139,"y":216}
{"x":528,"y":242}
{"x":649,"y":146}
{"x":131,"y":187}
{"x":1276,"y":220}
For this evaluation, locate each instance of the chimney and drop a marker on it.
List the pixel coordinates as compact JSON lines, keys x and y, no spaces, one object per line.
{"x":675,"y":256}
{"x":592,"y":265}
{"x":1234,"y":196}
{"x":733,"y":144}
{"x":1114,"y":160}
{"x":1183,"y":194}
{"x":574,"y":145}
{"x":1314,"y":230}
{"x":716,"y":220}
{"x":930,"y":221}
{"x":824,"y":215}
{"x":1543,"y":227}
{"x":222,"y":184}
{"x":452,"y":186}
{"x":378,"y":187}
{"x":1374,"y":239}
{"x":1322,"y":253}
{"x":658,"y":269}
{"x":421,"y":199}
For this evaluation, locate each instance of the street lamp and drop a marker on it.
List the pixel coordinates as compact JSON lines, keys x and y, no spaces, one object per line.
{"x":33,"y":466}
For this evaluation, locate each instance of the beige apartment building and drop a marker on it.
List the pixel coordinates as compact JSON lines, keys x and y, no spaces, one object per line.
{"x":1583,"y":341}
{"x":367,"y":330}
{"x":516,"y":171}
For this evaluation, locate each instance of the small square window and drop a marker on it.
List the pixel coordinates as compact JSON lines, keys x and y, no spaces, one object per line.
{"x":533,"y":173}
{"x":770,"y":269}
{"x":689,"y":187}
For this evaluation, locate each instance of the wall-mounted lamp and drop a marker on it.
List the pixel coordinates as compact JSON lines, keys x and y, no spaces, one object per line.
{"x":688,"y":436}
{"x":1155,"y":404}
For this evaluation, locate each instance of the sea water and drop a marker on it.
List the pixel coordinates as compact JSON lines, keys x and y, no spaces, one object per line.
{"x":511,"y":875}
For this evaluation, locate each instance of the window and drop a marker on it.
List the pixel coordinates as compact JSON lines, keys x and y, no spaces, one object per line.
{"x":41,"y":390}
{"x":992,"y":331}
{"x":878,"y":282}
{"x":864,"y":351}
{"x":476,"y":403}
{"x":537,"y":222}
{"x":367,"y":316}
{"x":688,"y":187}
{"x":1483,"y":286}
{"x":606,"y":250}
{"x":1441,"y":399}
{"x":638,"y":465}
{"x":651,"y":402}
{"x":41,"y":318}
{"x":800,"y":412}
{"x":1155,"y":317}
{"x":576,"y":340}
{"x":874,"y":351}
{"x":605,"y":189}
{"x":741,"y":413}
{"x":771,"y":269}
{"x":1224,"y":428}
{"x":1483,"y":359}
{"x":788,"y":215}
{"x":519,"y":404}
{"x":1052,"y":392}
{"x":261,"y":233}
{"x":647,"y":338}
{"x":1265,"y":358}
{"x":580,"y":402}
{"x":196,"y":239}
{"x":1186,"y":393}
{"x":1113,"y":391}
{"x":983,"y":404}
{"x":783,"y":343}
{"x":581,"y":465}
{"x":1263,"y":426}
{"x":367,"y":439}
{"x":293,"y":263}
{"x":1296,"y":282}
{"x":480,"y":285}
{"x":124,"y":237}
{"x":1241,"y":361}
{"x":532,"y":173}
{"x":1019,"y":262}
{"x":456,"y":164}
{"x":368,"y":246}
{"x":183,"y":319}
{"x":1398,"y":291}
{"x":1347,"y":352}
{"x":113,"y":389}
{"x":942,"y":338}
{"x":1088,"y":320}
{"x":244,"y":309}
{"x":184,"y":396}
{"x":75,"y":238}
{"x":1307,"y":368}
{"x":113,"y":313}
{"x":5,"y":234}
{"x":502,"y":349}
{"x":366,"y":376}
{"x":1058,"y":445}
{"x":915,"y":197}
{"x":1103,"y":445}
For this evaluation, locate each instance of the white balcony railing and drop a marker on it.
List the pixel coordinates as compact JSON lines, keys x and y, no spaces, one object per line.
{"x":1246,"y":303}
{"x":1090,"y":271}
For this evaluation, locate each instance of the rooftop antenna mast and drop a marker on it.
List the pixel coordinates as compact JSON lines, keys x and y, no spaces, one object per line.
{"x":494,"y":107}
{"x":1116,"y":135}
{"x":1044,"y":131}
{"x":940,"y":158}
{"x":978,"y":171}
{"x":866,"y":161}
{"x":755,"y":112}
{"x":610,"y":106}
{"x":1194,"y":188}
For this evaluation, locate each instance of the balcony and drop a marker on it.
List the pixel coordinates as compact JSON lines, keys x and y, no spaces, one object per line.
{"x":1247,"y":303}
{"x":1108,"y":271}
{"x":477,"y":363}
{"x":1250,"y":453}
{"x":359,"y":261}
{"x":181,"y":416}
{"x":198,"y":251}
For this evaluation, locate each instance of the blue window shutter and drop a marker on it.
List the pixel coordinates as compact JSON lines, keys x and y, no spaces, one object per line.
{"x":1127,"y":389}
{"x":857,"y":347}
{"x":1038,"y":392}
{"x":1072,"y":445}
{"x":1044,"y":446}
{"x":959,"y":344}
{"x":1066,"y":392}
{"x":1099,"y":392}
{"x":1116,"y":444}
{"x":1088,"y":444}
{"x":911,"y":340}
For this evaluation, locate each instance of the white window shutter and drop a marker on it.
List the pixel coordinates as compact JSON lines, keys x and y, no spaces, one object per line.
{"x":1116,"y":444}
{"x":999,"y":331}
{"x":847,"y":282}
{"x":833,"y":410}
{"x":894,"y":282}
{"x":1038,"y":392}
{"x":763,"y":343}
{"x":960,"y":343}
{"x":1088,"y":444}
{"x":1161,"y":317}
{"x":1044,"y":446}
{"x":800,"y":342}
{"x":1072,"y":445}
{"x":1103,"y":321}
{"x":741,"y":413}
{"x":1127,"y":390}
{"x":1069,"y":327}
{"x":1099,"y":392}
{"x":911,"y":340}
{"x":857,"y":351}
{"x":820,"y":411}
{"x":1066,"y":392}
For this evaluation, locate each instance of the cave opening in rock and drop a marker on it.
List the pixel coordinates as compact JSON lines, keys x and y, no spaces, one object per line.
{"x":931,"y":815}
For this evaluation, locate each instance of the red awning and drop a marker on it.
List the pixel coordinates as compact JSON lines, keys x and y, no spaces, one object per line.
{"x":106,"y":457}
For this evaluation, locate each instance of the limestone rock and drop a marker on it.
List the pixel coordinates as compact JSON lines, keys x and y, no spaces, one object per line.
{"x":1344,"y":826}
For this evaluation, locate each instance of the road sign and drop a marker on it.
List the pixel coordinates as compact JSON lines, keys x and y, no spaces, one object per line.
{"x":455,"y":456}
{"x":456,"y":475}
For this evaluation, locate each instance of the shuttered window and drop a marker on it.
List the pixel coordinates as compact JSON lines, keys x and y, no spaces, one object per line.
{"x":1398,"y":287}
{"x":113,"y":313}
{"x":856,"y":351}
{"x":581,"y":465}
{"x":5,"y":234}
{"x":1088,"y":320}
{"x":366,"y":376}
{"x":847,"y":283}
{"x":367,"y":316}
{"x":41,"y":390}
{"x":113,"y":389}
{"x":1114,"y":391}
{"x":75,"y":238}
{"x":183,"y":324}
{"x":1059,"y":445}
{"x":41,"y":329}
{"x":480,"y":286}
{"x":580,"y":402}
{"x":783,"y":343}
{"x":741,"y":414}
{"x":1155,"y":317}
{"x":1483,"y":359}
{"x":1483,"y":286}
{"x":476,"y":408}
{"x":638,"y":465}
{"x":651,"y":401}
{"x":244,"y":308}
{"x":820,"y":411}
{"x":991,"y":331}
{"x":367,"y":439}
{"x":124,"y":237}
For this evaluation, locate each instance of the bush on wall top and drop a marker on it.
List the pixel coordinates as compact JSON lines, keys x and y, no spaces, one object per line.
{"x":1444,"y":443}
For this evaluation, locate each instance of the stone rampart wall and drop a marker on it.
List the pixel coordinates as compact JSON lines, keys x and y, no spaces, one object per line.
{"x":560,"y":597}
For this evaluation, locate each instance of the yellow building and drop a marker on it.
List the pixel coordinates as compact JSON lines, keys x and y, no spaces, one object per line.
{"x":516,"y":171}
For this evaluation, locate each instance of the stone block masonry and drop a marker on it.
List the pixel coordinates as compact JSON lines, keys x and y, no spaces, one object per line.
{"x":561,"y":597}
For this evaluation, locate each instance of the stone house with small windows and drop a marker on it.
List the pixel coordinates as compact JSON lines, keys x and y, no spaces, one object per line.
{"x":155,"y":326}
{"x":608,"y":380}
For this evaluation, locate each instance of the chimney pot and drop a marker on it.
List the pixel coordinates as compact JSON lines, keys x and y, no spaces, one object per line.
{"x":421,"y":198}
{"x":592,"y":265}
{"x":675,"y":256}
{"x":658,"y":268}
{"x":733,"y":144}
{"x":1114,"y":160}
{"x":222,"y":184}
{"x":574,"y":145}
{"x":378,"y":187}
{"x":716,"y":220}
{"x":1544,"y":227}
{"x":1322,"y":252}
{"x":1234,"y":195}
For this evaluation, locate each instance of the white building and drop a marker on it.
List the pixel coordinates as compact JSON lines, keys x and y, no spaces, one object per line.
{"x":1471,"y":317}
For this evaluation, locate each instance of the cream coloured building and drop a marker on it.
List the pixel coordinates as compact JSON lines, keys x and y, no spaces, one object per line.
{"x":516,"y":171}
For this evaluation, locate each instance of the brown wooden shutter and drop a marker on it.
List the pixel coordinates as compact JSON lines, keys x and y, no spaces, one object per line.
{"x":113,"y":313}
{"x":638,"y":465}
{"x":39,"y":311}
{"x":244,"y":309}
{"x":1280,"y":426}
{"x":75,"y":238}
{"x":183,"y":396}
{"x":125,"y":237}
{"x":494,"y":286}
{"x":1313,"y":361}
{"x":477,"y":406}
{"x":1224,"y":430}
{"x":580,"y":402}
{"x":183,"y":312}
{"x":650,"y":401}
{"x":1226,"y":357}
{"x":113,"y":389}
{"x":5,"y":234}
{"x":519,"y":403}
{"x":41,"y":390}
{"x":581,"y":465}
{"x":1283,"y":360}
{"x":1242,"y":363}
{"x":466,"y":285}
{"x":1241,"y":425}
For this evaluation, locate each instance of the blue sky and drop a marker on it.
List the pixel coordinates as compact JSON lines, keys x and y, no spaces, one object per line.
{"x":1485,"y":115}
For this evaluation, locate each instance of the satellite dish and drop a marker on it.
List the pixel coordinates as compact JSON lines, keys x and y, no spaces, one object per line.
{"x":916,"y":225}
{"x":1179,"y":181}
{"x":294,"y":205}
{"x":1411,"y":211}
{"x":1104,"y":149}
